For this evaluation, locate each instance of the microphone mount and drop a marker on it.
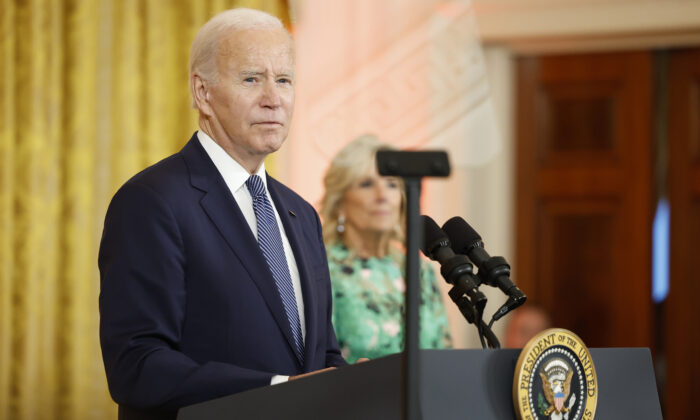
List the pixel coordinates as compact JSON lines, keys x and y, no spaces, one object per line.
{"x":459,"y":272}
{"x":495,"y":272}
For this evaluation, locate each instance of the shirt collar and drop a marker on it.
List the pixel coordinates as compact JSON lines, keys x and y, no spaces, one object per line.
{"x":233,"y":173}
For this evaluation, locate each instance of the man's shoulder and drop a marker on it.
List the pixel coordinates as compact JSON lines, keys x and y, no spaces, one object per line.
{"x":161,"y":176}
{"x":154,"y":187}
{"x":170,"y":165}
{"x":168,"y":180}
{"x":169,"y":173}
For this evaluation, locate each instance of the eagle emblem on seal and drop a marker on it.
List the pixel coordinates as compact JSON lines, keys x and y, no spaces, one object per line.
{"x":556,"y":385}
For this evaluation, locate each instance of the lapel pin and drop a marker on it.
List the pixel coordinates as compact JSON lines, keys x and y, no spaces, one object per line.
{"x":292,"y":213}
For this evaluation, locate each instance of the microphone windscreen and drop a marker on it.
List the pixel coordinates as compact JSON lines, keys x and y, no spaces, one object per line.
{"x":462,"y":236}
{"x":432,"y":235}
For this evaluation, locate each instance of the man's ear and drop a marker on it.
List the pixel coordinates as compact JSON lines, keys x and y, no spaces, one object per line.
{"x":200,"y":94}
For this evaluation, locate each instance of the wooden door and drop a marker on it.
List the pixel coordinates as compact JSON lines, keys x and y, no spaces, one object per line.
{"x":584,"y":202}
{"x":682,"y":307}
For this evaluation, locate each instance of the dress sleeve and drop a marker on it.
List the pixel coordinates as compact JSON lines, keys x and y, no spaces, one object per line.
{"x":435,"y":329}
{"x":342,"y":319}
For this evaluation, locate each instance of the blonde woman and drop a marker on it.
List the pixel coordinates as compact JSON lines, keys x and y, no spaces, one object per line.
{"x":363,"y":217}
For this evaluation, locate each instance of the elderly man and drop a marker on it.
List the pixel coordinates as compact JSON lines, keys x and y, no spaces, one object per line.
{"x":214,"y":277}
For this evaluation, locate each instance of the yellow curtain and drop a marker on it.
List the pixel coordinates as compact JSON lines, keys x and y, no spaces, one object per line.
{"x":91,"y":92}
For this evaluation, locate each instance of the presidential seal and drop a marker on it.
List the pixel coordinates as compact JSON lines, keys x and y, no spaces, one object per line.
{"x":555,"y":378}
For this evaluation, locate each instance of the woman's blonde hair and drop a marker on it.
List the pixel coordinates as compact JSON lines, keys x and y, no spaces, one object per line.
{"x":347,"y":167}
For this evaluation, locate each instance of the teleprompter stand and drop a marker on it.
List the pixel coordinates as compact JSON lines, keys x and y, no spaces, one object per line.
{"x":412,"y":167}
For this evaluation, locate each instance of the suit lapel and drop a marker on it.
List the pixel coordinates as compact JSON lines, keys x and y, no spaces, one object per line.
{"x":222,"y":209}
{"x":295,"y":233}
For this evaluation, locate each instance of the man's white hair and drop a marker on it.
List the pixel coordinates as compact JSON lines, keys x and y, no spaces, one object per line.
{"x":206,"y":43}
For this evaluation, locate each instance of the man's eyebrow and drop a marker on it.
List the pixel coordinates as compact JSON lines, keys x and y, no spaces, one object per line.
{"x":251,"y":73}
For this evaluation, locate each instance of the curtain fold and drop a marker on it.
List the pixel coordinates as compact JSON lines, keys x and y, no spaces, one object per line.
{"x":91,"y":92}
{"x":7,"y":187}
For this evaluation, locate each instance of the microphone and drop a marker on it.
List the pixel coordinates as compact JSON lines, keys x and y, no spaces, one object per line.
{"x":493,"y":271}
{"x":456,"y":269}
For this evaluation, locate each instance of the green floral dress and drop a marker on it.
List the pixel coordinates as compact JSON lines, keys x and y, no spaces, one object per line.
{"x":368,"y":297}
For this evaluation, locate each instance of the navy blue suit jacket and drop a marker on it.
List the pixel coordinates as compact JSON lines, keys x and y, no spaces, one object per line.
{"x":189,"y":309}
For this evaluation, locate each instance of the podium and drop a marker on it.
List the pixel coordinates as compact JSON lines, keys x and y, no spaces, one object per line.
{"x":455,"y":384}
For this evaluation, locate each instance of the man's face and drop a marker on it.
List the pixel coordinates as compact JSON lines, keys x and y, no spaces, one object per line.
{"x":251,"y":102}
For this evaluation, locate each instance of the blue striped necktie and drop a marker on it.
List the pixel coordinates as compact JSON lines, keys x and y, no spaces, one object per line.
{"x":270,"y":242}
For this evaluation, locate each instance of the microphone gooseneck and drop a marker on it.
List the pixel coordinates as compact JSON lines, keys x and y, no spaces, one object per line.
{"x":493,"y":271}
{"x":456,"y":269}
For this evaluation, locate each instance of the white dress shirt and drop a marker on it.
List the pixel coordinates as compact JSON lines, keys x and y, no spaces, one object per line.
{"x":235,"y":177}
